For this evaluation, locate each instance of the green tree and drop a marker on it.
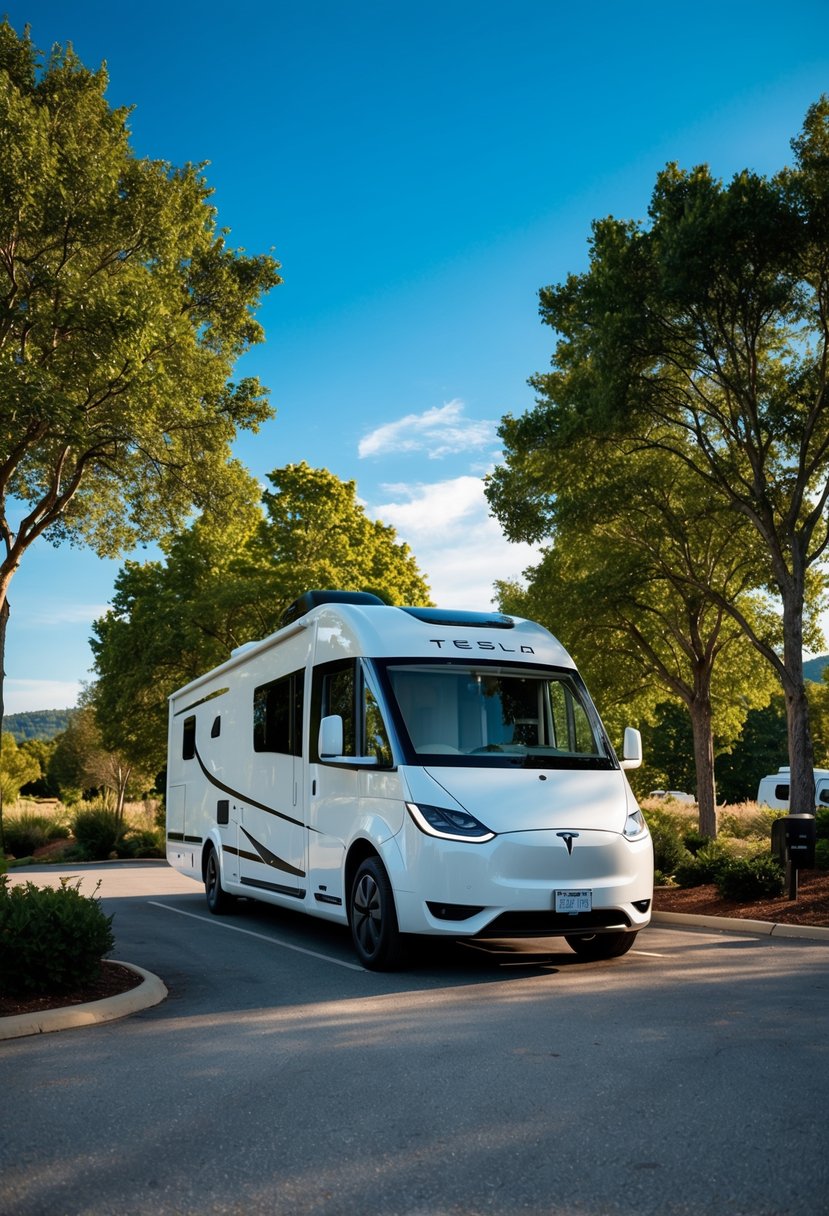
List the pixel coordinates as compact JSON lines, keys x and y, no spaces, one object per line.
{"x":80,"y":761}
{"x":17,"y":768}
{"x":634,"y":543}
{"x":122,"y":313}
{"x":760,"y":750}
{"x":226,"y":582}
{"x":704,"y":334}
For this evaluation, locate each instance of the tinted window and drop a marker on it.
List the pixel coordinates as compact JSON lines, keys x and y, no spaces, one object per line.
{"x":277,"y":715}
{"x":188,"y":739}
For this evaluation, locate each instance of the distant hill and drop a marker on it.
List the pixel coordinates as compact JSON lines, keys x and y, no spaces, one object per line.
{"x":36,"y":724}
{"x":813,"y":668}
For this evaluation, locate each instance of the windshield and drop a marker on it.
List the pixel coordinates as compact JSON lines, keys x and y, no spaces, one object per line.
{"x":497,"y":714}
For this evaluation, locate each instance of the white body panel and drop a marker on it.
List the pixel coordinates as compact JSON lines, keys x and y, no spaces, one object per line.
{"x":287,"y":824}
{"x":773,"y":790}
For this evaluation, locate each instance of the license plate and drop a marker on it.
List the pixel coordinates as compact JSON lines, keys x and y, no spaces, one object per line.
{"x":574,"y":901}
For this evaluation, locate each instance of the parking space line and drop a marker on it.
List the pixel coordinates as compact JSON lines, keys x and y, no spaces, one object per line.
{"x":274,"y":941}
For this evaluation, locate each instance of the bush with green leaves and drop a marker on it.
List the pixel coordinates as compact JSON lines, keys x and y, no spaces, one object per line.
{"x":666,"y":834}
{"x":822,"y":855}
{"x":98,"y":831}
{"x":26,"y":832}
{"x":694,"y":841}
{"x":51,"y":939}
{"x":142,"y":842}
{"x":705,"y":867}
{"x":747,"y":878}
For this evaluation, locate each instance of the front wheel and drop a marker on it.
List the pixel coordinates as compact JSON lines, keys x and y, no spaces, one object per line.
{"x":373,"y":918}
{"x":218,"y":900}
{"x":593,"y":946}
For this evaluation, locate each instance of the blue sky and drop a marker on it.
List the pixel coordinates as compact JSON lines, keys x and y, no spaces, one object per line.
{"x":420,"y":170}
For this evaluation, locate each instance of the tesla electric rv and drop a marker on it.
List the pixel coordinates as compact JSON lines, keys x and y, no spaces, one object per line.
{"x":409,"y":771}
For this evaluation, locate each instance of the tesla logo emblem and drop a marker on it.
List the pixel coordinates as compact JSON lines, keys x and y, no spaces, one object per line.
{"x":568,"y":838}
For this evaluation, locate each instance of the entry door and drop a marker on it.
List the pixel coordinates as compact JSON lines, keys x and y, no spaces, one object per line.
{"x":272,"y":829}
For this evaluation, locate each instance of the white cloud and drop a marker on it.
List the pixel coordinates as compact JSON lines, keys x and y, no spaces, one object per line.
{"x":20,"y":696}
{"x":61,"y":613}
{"x":459,"y":547}
{"x":440,"y":431}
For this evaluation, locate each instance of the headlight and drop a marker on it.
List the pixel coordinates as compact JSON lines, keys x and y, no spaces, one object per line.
{"x":449,"y":825}
{"x":635,"y":824}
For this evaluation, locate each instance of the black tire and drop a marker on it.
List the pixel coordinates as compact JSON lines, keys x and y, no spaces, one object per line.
{"x":373,"y":919}
{"x":592,"y":946}
{"x":218,"y":900}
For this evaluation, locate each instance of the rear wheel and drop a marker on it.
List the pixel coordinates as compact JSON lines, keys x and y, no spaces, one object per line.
{"x":600,"y":945}
{"x":218,"y":900}
{"x":373,"y":918}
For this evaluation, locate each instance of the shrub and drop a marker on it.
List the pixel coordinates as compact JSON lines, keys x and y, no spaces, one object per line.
{"x":705,"y":867}
{"x":666,"y":834}
{"x":97,"y":830}
{"x":747,"y":878}
{"x":822,"y":824}
{"x":822,"y":855}
{"x":26,"y":832}
{"x":694,"y":841}
{"x":142,"y":842}
{"x":51,"y":939}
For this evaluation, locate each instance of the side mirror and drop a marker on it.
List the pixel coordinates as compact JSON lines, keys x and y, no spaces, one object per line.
{"x":331,"y":736}
{"x":631,"y":748}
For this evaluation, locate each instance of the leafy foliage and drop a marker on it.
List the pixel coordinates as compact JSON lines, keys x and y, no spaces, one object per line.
{"x":700,"y":338}
{"x":666,"y":834}
{"x":17,"y":767}
{"x":747,"y":878}
{"x":51,"y":940}
{"x":36,"y":724}
{"x":226,"y":581}
{"x":26,"y":832}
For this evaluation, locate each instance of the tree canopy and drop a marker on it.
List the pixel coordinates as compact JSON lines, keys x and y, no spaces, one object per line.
{"x":122,"y":312}
{"x":633,"y":542}
{"x":704,"y":334}
{"x":226,"y":581}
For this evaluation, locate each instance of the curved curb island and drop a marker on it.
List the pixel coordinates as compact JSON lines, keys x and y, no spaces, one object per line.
{"x":151,"y":991}
{"x":736,"y":924}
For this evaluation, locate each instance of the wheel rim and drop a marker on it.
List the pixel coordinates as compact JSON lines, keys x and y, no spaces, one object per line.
{"x":212,"y":876}
{"x":367,"y":915}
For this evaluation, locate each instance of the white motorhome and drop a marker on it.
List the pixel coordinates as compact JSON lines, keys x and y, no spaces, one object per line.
{"x":773,"y":790}
{"x":409,"y":771}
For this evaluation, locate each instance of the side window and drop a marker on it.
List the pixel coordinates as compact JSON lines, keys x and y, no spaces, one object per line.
{"x":341,"y":689}
{"x":781,"y":792}
{"x":338,"y":698}
{"x":376,"y":736}
{"x":188,"y":738}
{"x":277,"y":715}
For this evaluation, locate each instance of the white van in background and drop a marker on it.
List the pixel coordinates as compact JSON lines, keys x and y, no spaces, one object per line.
{"x":409,"y":771}
{"x":773,"y":790}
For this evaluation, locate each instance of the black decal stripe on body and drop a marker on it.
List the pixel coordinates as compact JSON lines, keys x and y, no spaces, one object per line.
{"x":269,"y":858}
{"x":297,"y":892}
{"x":220,"y":785}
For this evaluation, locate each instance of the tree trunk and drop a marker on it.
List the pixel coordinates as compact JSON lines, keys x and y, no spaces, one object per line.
{"x":4,"y":620}
{"x":801,"y":751}
{"x":701,"y":717}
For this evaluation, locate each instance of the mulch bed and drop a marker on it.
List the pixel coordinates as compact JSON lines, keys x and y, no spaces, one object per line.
{"x":810,"y":908}
{"x":113,"y":979}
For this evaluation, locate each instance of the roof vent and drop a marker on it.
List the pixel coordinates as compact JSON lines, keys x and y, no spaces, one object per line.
{"x":462,"y":619}
{"x":313,"y":599}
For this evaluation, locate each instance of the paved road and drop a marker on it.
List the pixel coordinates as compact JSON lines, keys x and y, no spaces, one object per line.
{"x":690,"y":1077}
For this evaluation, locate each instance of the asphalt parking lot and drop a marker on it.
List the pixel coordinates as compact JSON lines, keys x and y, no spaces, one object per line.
{"x":689,"y":1076}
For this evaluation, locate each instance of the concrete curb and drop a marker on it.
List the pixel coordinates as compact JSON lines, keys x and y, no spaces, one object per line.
{"x":151,"y":991}
{"x":736,"y":924}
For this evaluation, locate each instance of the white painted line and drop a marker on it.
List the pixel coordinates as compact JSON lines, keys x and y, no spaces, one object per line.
{"x":274,"y":941}
{"x":649,"y":954}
